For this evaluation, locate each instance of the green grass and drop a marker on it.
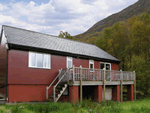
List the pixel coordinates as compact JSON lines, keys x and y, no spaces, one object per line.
{"x":87,"y":106}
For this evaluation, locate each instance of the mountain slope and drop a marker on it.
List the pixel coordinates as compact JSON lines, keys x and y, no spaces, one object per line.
{"x":135,"y":9}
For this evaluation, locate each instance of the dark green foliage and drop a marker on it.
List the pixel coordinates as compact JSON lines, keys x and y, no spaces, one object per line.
{"x":130,"y":42}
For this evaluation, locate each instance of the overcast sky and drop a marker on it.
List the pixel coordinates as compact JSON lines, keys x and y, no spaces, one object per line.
{"x":74,"y":16}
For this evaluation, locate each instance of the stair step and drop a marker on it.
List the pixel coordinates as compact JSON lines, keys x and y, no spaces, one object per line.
{"x":56,"y":94}
{"x":59,"y":86}
{"x":61,"y":92}
{"x":62,"y":83}
{"x":58,"y":89}
{"x":50,"y":99}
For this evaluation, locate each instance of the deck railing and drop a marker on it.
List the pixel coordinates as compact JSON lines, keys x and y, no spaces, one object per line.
{"x":98,"y":74}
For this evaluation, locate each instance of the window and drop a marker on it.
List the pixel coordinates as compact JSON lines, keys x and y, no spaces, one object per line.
{"x":69,"y":62}
{"x":39,"y":60}
{"x":91,"y":64}
{"x":107,"y":66}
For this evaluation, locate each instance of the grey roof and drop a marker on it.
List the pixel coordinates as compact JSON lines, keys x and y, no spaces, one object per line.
{"x":39,"y":40}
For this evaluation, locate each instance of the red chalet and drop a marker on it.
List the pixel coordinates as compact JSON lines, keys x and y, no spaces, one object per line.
{"x":38,"y":67}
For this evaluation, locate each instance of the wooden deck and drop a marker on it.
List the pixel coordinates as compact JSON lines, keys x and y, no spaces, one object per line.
{"x":93,"y":83}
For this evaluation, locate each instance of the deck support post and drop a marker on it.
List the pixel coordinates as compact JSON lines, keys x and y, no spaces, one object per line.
{"x":104,"y":83}
{"x":134,"y":85}
{"x":121,"y":78}
{"x":81,"y":84}
{"x":73,"y":73}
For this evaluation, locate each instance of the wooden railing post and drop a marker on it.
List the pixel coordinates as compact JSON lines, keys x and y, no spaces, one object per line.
{"x":73,"y":72}
{"x":134,"y":85}
{"x":121,"y":79}
{"x":54,"y":93}
{"x":104,"y":83}
{"x":46,"y":92}
{"x":81,"y":84}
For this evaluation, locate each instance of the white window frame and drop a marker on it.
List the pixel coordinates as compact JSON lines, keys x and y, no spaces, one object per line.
{"x":105,"y":64}
{"x":68,"y":59}
{"x":36,"y":60}
{"x":91,"y":62}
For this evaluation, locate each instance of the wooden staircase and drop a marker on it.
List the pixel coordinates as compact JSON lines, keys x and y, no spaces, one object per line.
{"x":61,"y":85}
{"x":59,"y":91}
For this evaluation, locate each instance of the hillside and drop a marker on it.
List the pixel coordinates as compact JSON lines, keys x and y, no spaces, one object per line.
{"x":135,"y":9}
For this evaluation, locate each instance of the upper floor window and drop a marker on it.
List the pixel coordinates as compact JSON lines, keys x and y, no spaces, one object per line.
{"x":91,"y":64}
{"x":39,"y":60}
{"x":107,"y":66}
{"x":69,"y":62}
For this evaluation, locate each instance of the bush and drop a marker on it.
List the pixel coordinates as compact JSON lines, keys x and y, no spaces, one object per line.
{"x":139,"y":95}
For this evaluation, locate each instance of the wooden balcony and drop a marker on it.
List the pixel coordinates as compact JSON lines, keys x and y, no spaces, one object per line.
{"x":98,"y":77}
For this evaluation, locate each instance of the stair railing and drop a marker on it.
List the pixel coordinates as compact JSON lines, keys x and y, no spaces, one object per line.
{"x":54,"y":89}
{"x":47,"y":88}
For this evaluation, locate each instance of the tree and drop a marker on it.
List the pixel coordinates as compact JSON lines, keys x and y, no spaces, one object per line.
{"x":65,"y":35}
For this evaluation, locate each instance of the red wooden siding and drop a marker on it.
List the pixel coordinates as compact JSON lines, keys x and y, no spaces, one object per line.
{"x":77,"y":62}
{"x":3,"y":58}
{"x":3,"y":69}
{"x":20,"y":73}
{"x":98,"y":93}
{"x":130,"y":90}
{"x":114,"y":66}
{"x":27,"y":93}
{"x":116,"y":93}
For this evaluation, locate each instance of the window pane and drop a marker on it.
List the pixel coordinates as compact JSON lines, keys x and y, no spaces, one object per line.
{"x":47,"y":61}
{"x":91,"y":61}
{"x":32,"y":59}
{"x":69,"y":58}
{"x":39,"y":58}
{"x":107,"y":66}
{"x":91,"y":66}
{"x":102,"y":65}
{"x":69,"y":64}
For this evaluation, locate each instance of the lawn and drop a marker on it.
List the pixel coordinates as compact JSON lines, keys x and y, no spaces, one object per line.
{"x":87,"y":106}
